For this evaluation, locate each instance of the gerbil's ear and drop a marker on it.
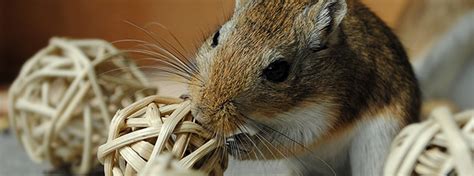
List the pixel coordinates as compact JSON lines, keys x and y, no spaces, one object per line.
{"x":325,"y":16}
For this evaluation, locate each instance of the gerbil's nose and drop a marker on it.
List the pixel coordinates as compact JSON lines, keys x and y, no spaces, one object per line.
{"x":206,"y":113}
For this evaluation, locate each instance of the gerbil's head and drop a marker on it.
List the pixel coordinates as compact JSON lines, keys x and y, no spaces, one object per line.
{"x":270,"y":61}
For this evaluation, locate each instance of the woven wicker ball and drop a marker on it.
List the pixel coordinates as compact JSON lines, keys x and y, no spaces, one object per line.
{"x":64,"y":97}
{"x":152,"y":127}
{"x":442,"y":145}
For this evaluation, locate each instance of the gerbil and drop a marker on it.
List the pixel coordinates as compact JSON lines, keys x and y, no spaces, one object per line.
{"x":315,"y":80}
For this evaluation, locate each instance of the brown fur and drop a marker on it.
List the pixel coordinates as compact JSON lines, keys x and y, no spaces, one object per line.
{"x":363,"y":72}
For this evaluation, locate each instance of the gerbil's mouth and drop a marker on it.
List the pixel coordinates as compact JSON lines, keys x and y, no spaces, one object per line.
{"x":240,"y":143}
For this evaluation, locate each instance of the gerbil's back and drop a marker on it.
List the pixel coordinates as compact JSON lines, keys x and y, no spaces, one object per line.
{"x":383,"y":72}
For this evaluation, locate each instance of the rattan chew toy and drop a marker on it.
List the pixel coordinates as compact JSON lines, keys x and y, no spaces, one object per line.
{"x":152,"y":127}
{"x":442,"y":145}
{"x":64,"y":98}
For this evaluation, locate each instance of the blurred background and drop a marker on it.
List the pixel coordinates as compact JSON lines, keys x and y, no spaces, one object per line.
{"x":27,"y":25}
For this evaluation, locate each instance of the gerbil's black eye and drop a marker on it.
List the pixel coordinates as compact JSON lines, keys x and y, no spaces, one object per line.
{"x":277,"y":71}
{"x":215,"y":39}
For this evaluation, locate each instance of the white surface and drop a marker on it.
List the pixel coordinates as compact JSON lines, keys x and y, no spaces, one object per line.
{"x":13,"y":159}
{"x":257,"y":168}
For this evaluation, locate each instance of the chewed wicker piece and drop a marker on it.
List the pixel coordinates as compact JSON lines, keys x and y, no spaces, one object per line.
{"x":63,"y":100}
{"x":152,"y":127}
{"x":442,"y":145}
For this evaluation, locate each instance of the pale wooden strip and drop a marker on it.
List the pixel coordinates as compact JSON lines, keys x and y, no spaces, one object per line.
{"x":87,"y":146}
{"x":138,"y":122}
{"x":137,"y":113}
{"x":44,"y":110}
{"x":45,"y":93}
{"x":190,"y":160}
{"x":168,"y":108}
{"x":132,"y":158}
{"x":41,"y":129}
{"x":153,"y":115}
{"x":127,"y":139}
{"x":117,"y":172}
{"x":190,"y":127}
{"x":129,"y":171}
{"x":457,"y":145}
{"x":144,"y":149}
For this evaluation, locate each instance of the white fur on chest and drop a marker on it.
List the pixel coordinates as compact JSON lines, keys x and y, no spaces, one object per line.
{"x":304,"y":125}
{"x":362,"y":150}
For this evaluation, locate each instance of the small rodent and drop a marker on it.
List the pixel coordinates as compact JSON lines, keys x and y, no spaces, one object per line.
{"x":324,"y":84}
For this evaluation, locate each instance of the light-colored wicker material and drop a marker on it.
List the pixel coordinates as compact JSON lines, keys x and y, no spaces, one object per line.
{"x":156,"y":125}
{"x":442,"y":145}
{"x":63,"y":100}
{"x":167,"y":164}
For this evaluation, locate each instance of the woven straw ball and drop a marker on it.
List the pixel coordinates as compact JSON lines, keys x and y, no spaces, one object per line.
{"x":64,"y":97}
{"x":442,"y":145}
{"x":157,"y":126}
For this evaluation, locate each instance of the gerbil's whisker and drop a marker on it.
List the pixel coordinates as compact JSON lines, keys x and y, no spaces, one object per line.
{"x":180,"y":67}
{"x":152,"y":36}
{"x":265,"y":143}
{"x":167,"y":70}
{"x":168,"y":63}
{"x":279,"y":143}
{"x":173,"y":58}
{"x":292,"y":140}
{"x":183,"y":62}
{"x":162,"y":57}
{"x":166,"y":75}
{"x":251,"y":141}
{"x":171,"y":34}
